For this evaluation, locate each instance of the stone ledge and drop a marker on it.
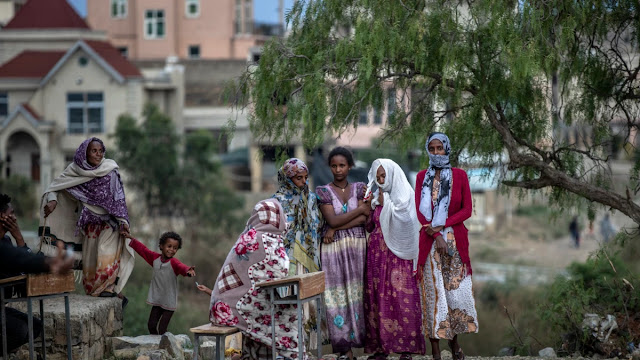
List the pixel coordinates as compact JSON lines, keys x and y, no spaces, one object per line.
{"x":94,"y":321}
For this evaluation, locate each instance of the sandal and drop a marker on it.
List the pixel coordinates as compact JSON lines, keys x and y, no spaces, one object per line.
{"x":436,"y":357}
{"x":456,"y":355}
{"x":405,"y":356}
{"x":343,"y":356}
{"x":377,"y":356}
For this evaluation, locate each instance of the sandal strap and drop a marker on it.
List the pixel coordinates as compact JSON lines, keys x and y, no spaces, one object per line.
{"x":458,"y":355}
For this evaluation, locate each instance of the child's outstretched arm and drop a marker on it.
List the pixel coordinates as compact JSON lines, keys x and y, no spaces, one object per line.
{"x":148,"y":255}
{"x":181,"y":269}
{"x":192,"y":271}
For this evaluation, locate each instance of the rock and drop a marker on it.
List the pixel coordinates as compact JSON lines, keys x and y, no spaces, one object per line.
{"x":144,"y":342}
{"x":591,"y":321}
{"x":547,"y":352}
{"x":93,"y":321}
{"x":609,"y":324}
{"x":170,"y":344}
{"x":159,"y":354}
{"x":126,"y":354}
{"x":635,"y":355}
{"x":600,"y":327}
{"x":184,"y":341}
{"x":188,"y":354}
{"x":506,"y":351}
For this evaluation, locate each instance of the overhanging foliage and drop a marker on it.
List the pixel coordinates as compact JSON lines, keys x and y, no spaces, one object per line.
{"x":497,"y":76}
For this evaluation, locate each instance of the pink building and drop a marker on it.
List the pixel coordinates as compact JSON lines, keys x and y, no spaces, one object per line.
{"x":156,"y":29}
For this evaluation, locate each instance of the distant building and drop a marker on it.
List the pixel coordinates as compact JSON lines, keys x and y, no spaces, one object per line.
{"x":60,"y":86}
{"x":372,"y":120}
{"x":43,"y":25}
{"x":188,"y":29}
{"x":8,"y":9}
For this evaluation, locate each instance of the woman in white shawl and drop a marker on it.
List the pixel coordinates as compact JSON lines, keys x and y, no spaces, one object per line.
{"x":91,"y":215}
{"x":392,"y":300}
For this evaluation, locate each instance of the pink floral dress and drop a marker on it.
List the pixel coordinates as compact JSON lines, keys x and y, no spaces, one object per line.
{"x":258,"y":255}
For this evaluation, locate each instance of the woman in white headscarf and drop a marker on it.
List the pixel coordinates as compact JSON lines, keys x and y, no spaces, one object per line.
{"x":392,"y":300}
{"x":443,"y":201}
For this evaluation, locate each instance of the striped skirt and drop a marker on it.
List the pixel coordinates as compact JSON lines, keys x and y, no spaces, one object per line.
{"x":343,"y":262}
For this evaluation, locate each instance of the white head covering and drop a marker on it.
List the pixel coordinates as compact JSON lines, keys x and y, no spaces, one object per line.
{"x":398,"y":219}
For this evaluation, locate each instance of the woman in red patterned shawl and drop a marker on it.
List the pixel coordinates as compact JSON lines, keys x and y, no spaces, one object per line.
{"x":258,"y":255}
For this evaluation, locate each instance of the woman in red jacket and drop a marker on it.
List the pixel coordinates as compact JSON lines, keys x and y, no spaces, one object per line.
{"x":443,"y":202}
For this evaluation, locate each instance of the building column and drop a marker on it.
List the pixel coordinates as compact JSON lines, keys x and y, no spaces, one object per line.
{"x":298,"y":151}
{"x":255,"y":166}
{"x":633,"y":135}
{"x":46,"y":164}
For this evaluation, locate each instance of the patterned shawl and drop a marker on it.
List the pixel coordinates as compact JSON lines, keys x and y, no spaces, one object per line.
{"x":438,"y":215}
{"x":105,"y":191}
{"x":304,"y":219}
{"x":398,"y":220}
{"x":258,"y":255}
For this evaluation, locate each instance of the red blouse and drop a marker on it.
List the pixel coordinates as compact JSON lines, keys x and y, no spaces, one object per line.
{"x":150,"y":256}
{"x":460,"y":208}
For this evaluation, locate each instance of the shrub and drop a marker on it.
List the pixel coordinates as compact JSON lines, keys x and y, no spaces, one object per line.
{"x":603,"y":285}
{"x":22,"y":192}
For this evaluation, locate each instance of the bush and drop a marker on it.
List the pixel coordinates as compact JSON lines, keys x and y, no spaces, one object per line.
{"x":506,"y":320}
{"x":603,"y":285}
{"x":22,"y":193}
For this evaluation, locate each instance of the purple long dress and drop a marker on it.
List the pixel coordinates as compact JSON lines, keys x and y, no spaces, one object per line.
{"x":343,"y":263}
{"x":392,"y":299}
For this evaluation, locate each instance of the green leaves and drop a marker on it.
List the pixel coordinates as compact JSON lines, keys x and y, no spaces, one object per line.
{"x":515,"y":77}
{"x":175,"y":180}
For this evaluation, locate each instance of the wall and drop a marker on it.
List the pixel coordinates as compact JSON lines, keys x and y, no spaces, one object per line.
{"x":213,"y":29}
{"x":72,"y":77}
{"x":13,"y":42}
{"x":94,"y":321}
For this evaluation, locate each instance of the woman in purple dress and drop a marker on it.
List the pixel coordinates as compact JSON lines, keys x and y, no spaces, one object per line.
{"x":343,"y":254}
{"x":392,"y":299}
{"x":91,"y":210}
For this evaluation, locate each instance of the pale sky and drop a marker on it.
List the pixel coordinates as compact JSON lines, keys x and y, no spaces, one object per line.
{"x":264,"y":10}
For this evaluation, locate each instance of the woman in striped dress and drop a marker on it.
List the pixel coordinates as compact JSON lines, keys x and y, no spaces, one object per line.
{"x":343,"y":254}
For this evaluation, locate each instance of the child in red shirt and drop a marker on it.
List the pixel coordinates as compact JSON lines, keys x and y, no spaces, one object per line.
{"x":163,"y":290}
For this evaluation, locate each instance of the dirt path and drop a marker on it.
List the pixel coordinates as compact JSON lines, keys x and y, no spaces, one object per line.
{"x":515,"y":246}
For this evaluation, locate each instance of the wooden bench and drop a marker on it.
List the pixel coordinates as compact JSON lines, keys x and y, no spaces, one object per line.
{"x":306,"y":287}
{"x":219,"y":332}
{"x":39,"y":287}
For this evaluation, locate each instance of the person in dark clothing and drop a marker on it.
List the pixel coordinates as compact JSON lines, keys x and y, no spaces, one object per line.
{"x":574,"y":229}
{"x":9,"y":225}
{"x":20,"y":260}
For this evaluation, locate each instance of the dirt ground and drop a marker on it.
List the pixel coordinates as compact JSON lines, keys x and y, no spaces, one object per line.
{"x":514,"y":244}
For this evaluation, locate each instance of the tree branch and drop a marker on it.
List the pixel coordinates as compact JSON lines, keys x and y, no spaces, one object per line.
{"x":557,"y":178}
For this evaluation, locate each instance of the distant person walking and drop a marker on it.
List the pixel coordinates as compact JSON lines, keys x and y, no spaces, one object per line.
{"x":574,"y":230}
{"x":607,"y":230}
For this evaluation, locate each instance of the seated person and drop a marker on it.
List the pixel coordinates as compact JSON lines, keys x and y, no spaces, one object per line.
{"x":18,"y":260}
{"x":257,"y":255}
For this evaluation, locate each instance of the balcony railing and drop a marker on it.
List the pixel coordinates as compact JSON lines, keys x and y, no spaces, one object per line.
{"x":262,"y":29}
